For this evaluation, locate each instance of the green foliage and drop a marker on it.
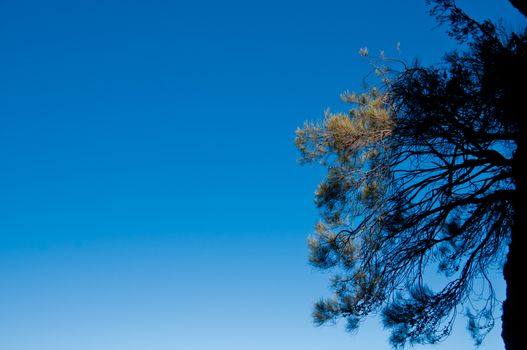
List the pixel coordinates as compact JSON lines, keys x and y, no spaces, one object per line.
{"x":354,"y":148}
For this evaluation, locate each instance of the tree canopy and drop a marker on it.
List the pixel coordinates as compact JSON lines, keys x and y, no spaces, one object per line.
{"x":425,"y":174}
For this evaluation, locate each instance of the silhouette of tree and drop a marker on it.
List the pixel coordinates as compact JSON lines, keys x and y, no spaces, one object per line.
{"x":520,"y":5}
{"x":427,"y":173}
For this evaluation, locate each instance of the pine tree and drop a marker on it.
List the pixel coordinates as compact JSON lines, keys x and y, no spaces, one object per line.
{"x":427,"y":174}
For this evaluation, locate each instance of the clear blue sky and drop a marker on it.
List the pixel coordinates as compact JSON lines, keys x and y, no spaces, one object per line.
{"x":150,"y":196}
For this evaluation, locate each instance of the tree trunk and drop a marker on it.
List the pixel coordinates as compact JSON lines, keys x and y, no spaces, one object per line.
{"x":512,"y":329}
{"x":512,"y":332}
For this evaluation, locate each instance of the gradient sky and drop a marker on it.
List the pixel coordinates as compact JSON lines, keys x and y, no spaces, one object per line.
{"x":150,"y":196}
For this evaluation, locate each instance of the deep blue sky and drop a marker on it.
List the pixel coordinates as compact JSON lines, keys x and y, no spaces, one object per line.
{"x":150,"y":196}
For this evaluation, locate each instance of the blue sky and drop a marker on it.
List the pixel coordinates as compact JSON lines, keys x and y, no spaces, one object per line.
{"x":150,"y":191}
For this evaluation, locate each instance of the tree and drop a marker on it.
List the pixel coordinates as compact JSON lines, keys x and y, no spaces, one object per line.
{"x":427,"y":173}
